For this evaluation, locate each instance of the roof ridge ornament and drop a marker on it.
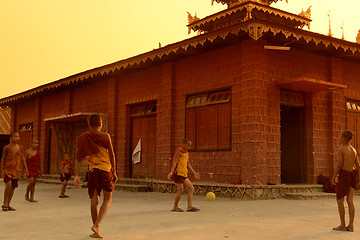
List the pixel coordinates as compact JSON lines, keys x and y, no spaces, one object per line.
{"x":232,"y":3}
{"x":306,"y":14}
{"x":192,"y":19}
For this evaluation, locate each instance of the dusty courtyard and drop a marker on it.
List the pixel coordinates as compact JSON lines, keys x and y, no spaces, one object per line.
{"x":134,"y":216}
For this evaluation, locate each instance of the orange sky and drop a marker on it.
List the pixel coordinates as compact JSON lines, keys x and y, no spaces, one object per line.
{"x":46,"y":40}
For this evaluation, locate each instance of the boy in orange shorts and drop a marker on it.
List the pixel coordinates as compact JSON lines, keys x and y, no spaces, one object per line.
{"x":178,"y":172}
{"x":66,"y":168}
{"x":96,"y":147}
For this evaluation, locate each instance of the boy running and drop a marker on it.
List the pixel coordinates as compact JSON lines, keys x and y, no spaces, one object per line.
{"x":12,"y":164}
{"x":178,"y":173}
{"x":66,"y":168}
{"x":346,"y":185}
{"x":97,"y":148}
{"x":32,"y":157}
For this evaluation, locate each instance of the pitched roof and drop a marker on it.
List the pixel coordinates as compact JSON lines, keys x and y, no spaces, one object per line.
{"x":254,"y":28}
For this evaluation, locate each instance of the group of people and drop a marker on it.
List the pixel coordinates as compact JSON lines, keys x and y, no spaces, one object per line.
{"x":96,"y":148}
{"x":14,"y":163}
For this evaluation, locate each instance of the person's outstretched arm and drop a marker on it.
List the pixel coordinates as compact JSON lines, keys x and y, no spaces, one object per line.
{"x":196,"y":174}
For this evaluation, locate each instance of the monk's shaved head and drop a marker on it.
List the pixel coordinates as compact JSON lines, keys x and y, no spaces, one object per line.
{"x":348,"y":135}
{"x":95,"y":120}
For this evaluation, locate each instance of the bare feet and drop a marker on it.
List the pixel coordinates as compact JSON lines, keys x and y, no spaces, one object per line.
{"x":27,"y":197}
{"x":33,"y":200}
{"x":340,"y":228}
{"x":350,"y":228}
{"x":96,"y":233}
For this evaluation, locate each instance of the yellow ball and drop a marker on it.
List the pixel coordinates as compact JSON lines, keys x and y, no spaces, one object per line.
{"x":210,"y":196}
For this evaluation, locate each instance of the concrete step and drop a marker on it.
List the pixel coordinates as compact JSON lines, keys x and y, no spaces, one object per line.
{"x":118,"y":186}
{"x":309,"y":196}
{"x":132,"y":188}
{"x":246,"y":192}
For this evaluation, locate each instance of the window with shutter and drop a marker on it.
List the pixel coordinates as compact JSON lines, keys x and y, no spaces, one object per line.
{"x":208,"y":121}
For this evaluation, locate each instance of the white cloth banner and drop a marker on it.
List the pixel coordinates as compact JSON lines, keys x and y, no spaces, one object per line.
{"x":137,"y":153}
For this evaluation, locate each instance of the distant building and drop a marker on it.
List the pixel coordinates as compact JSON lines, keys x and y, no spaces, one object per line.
{"x":263,"y":101}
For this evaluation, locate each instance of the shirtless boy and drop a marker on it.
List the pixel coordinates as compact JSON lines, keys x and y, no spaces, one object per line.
{"x":178,"y":173}
{"x":345,"y":170}
{"x":12,"y":164}
{"x":96,"y":147}
{"x":32,"y":157}
{"x":66,"y":168}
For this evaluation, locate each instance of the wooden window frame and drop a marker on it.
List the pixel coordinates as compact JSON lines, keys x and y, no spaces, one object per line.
{"x":220,"y":105}
{"x":352,"y":105}
{"x":28,"y":127}
{"x":147,"y":109}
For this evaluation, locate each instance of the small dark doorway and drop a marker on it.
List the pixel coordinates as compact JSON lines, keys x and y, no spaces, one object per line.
{"x":293,"y":157}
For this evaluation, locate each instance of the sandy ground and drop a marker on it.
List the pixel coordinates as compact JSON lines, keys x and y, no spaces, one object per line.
{"x":134,"y":216}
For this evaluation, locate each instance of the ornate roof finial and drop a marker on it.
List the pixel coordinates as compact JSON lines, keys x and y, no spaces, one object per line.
{"x":192,"y":19}
{"x":358,"y":38}
{"x":306,"y":14}
{"x":329,"y":33}
{"x":342,"y":28}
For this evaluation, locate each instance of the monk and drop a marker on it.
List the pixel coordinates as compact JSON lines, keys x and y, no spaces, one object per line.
{"x":12,"y":165}
{"x":32,"y":157}
{"x":347,"y":171}
{"x":97,"y":148}
{"x":66,"y":168}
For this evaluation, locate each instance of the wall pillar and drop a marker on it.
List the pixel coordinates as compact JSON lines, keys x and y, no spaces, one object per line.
{"x":254,"y":114}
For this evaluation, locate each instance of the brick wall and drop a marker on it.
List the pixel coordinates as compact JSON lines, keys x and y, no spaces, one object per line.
{"x":250,"y":72}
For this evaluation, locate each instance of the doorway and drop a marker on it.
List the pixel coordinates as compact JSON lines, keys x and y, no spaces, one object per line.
{"x":143,"y":126}
{"x":293,"y":157}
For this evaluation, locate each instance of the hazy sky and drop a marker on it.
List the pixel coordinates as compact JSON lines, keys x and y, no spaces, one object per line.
{"x":46,"y":40}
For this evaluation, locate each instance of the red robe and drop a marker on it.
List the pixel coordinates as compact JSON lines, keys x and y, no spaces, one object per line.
{"x":33,"y":165}
{"x":13,"y":165}
{"x":87,"y":144}
{"x":346,"y":180}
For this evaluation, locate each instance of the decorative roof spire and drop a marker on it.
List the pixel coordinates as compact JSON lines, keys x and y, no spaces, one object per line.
{"x":342,"y":28}
{"x":330,"y":34}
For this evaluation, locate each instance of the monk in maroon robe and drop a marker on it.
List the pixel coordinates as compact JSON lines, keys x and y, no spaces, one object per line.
{"x":32,"y":156}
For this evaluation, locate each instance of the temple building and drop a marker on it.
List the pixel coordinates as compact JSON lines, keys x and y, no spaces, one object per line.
{"x":262,"y":98}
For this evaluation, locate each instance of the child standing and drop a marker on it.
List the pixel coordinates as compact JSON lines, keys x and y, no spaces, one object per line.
{"x":32,"y":157}
{"x":12,"y":164}
{"x":178,"y":172}
{"x":95,"y":146}
{"x":345,"y":170}
{"x":66,"y":168}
